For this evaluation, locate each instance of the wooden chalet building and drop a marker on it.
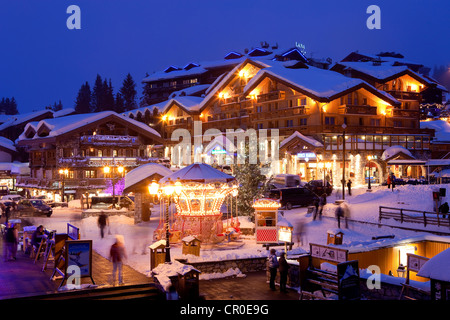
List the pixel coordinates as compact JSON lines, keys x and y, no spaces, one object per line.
{"x":377,"y":106}
{"x":83,"y":145}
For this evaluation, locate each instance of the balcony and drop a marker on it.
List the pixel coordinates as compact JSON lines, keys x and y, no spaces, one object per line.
{"x":405,"y":113}
{"x":357,"y":109}
{"x":273,"y":95}
{"x":106,"y":140}
{"x":405,"y":95}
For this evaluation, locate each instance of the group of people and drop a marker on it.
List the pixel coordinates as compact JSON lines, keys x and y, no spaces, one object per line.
{"x":275,"y":265}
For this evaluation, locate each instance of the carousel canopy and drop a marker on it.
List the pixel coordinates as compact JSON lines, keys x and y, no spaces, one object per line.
{"x":199,"y":172}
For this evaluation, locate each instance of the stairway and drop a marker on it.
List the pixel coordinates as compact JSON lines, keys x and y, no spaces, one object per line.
{"x":147,"y":291}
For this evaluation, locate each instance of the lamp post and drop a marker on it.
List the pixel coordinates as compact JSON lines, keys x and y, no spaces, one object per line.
{"x":343,"y":160}
{"x":62,"y":174}
{"x":369,"y":186}
{"x":166,"y":191}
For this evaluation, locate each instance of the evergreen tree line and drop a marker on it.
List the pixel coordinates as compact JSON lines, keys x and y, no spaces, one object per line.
{"x":442,"y":75}
{"x":8,"y":106}
{"x":102,"y":98}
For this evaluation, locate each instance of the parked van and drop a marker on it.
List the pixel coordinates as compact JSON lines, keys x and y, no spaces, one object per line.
{"x":287,"y":180}
{"x":290,"y":197}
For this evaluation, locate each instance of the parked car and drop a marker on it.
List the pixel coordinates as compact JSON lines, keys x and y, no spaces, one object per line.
{"x":33,"y":207}
{"x":12,"y":197}
{"x":318,"y":187}
{"x":290,"y":197}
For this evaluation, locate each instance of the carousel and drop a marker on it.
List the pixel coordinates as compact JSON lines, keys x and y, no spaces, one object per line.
{"x":200,"y":193}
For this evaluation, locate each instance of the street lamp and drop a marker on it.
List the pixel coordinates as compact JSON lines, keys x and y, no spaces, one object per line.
{"x":62,"y":174}
{"x":166,"y":191}
{"x":369,"y":186}
{"x":110,"y":171}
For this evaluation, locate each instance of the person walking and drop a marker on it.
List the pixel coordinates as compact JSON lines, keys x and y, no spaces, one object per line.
{"x":102,"y":223}
{"x":273,"y":268}
{"x":322,"y":203}
{"x":284,"y":268}
{"x":117,"y":254}
{"x":349,"y":187}
{"x":11,"y":240}
{"x":388,"y":181}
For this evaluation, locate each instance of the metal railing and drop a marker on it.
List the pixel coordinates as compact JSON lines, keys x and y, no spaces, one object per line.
{"x":414,"y":216}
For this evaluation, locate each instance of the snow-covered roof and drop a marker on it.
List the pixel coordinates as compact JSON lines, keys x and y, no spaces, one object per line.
{"x":199,"y":172}
{"x":190,"y":90}
{"x":143,"y":172}
{"x":323,"y":85}
{"x":441,"y":127}
{"x":221,"y":141}
{"x":22,"y":118}
{"x":61,"y":125}
{"x":297,"y":134}
{"x":164,"y":271}
{"x":392,"y":151}
{"x":20,"y":168}
{"x":381,"y":71}
{"x":438,"y":267}
{"x":7,"y":144}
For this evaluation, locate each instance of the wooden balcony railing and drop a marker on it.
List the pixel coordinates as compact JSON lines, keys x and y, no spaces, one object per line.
{"x":273,"y":95}
{"x":357,"y":109}
{"x":405,"y":95}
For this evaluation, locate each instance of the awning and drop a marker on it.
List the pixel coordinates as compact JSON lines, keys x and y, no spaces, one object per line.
{"x":407,"y":162}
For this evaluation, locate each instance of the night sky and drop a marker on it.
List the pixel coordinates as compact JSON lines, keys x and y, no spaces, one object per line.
{"x":42,"y":61}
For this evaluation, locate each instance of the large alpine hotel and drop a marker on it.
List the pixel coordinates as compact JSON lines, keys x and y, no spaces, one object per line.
{"x":361,"y":114}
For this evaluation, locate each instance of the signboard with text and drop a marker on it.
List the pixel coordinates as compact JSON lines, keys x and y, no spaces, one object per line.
{"x":328,"y":253}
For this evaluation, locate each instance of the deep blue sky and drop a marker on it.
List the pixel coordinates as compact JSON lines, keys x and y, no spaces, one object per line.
{"x":41,"y":61}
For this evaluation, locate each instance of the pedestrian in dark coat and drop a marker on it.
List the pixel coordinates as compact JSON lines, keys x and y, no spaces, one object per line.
{"x":11,"y":240}
{"x":102,"y":222}
{"x":284,"y":268}
{"x":349,"y":186}
{"x":322,"y":203}
{"x":117,"y":255}
{"x":273,"y":268}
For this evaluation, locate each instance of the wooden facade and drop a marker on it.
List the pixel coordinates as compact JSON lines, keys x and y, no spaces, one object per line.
{"x":110,"y":140}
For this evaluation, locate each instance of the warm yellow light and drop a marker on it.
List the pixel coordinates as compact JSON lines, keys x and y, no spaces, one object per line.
{"x":201,"y":115}
{"x":153,"y":188}
{"x":63,"y":171}
{"x":120,"y":169}
{"x":178,"y":187}
{"x":164,"y":118}
{"x":169,"y":189}
{"x":369,"y":158}
{"x":106,"y":169}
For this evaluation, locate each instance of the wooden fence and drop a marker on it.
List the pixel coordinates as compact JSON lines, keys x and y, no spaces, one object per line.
{"x":415,"y":216}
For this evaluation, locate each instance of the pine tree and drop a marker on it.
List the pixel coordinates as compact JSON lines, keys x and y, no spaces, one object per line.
{"x":83,"y":101}
{"x":250,"y":180}
{"x":12,"y":109}
{"x":119,"y":103}
{"x":109,"y":96}
{"x":98,"y":95}
{"x":128,"y":92}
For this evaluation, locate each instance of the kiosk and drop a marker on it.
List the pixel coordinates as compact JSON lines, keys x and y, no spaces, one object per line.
{"x":266,"y":218}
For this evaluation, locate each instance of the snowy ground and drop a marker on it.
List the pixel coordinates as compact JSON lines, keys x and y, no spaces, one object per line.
{"x":363,"y":206}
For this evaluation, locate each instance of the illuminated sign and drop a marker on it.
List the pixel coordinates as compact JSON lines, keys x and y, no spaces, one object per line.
{"x":304,"y":155}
